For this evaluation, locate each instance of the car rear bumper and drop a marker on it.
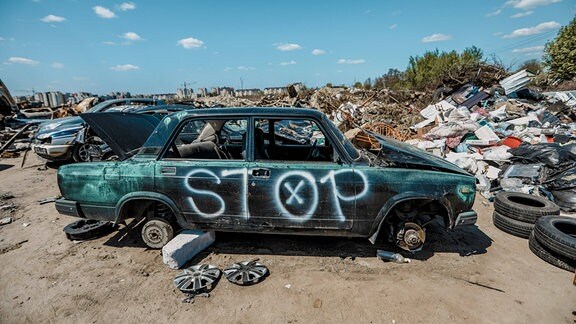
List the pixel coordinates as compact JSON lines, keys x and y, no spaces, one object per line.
{"x":466,"y":218}
{"x":68,"y":208}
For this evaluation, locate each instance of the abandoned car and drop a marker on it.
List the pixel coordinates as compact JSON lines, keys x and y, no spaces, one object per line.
{"x":273,"y":170}
{"x":66,"y":138}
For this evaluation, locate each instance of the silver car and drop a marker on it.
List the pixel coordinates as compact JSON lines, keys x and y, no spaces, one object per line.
{"x":66,"y":138}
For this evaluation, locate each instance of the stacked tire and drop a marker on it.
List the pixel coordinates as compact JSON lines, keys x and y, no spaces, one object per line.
{"x":550,"y":236}
{"x":554,"y":241}
{"x":516,"y":213}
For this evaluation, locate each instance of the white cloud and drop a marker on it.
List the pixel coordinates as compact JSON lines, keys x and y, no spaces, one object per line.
{"x":494,"y":13}
{"x":498,"y":34}
{"x":288,"y":47}
{"x":529,"y":49}
{"x":131,"y":36}
{"x":526,"y":4}
{"x":539,"y":29}
{"x":190,"y":42}
{"x":125,"y":6}
{"x":57,"y":65}
{"x":246,"y":68}
{"x":109,"y":43}
{"x":393,"y":26}
{"x":522,"y":14}
{"x":318,"y":51}
{"x":125,"y":67}
{"x":288,"y":63}
{"x":103,"y":12}
{"x":52,"y":19}
{"x":349,"y":61}
{"x":436,"y":38}
{"x":22,"y":60}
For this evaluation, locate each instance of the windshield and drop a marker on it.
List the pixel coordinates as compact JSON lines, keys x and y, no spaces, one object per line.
{"x":349,"y":147}
{"x":98,"y":107}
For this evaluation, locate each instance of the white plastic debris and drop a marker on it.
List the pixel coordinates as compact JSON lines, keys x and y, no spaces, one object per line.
{"x":185,"y":246}
{"x":492,"y":172}
{"x":486,"y":133}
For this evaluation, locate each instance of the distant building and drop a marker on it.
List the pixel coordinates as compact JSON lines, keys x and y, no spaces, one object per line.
{"x":56,"y":99}
{"x":184,"y":93}
{"x":216,"y":91}
{"x":167,"y":96}
{"x":274,"y":90}
{"x":247,"y":92}
{"x":202,"y":92}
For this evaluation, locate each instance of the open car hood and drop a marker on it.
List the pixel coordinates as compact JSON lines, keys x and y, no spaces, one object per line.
{"x":401,"y":153}
{"x":123,"y":132}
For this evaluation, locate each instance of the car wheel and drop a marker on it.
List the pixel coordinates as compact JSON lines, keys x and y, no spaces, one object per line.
{"x":557,"y":234}
{"x":524,"y":207}
{"x":81,"y":153}
{"x":549,"y":256}
{"x":86,"y":229}
{"x":512,"y":226}
{"x":156,"y":232}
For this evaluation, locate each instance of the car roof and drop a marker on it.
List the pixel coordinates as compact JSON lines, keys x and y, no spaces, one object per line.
{"x":251,"y":111}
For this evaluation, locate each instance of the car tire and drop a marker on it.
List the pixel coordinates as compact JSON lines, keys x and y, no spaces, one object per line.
{"x":87,"y":229}
{"x":557,"y":234}
{"x":523,"y":207}
{"x":549,"y":256}
{"x":157,"y":232}
{"x":81,"y":152}
{"x":512,"y":226}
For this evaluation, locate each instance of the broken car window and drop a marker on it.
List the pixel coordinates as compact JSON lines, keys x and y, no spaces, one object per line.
{"x":291,"y":140}
{"x":218,"y":139}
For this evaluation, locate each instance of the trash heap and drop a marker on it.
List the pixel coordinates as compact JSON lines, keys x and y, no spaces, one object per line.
{"x":510,"y":137}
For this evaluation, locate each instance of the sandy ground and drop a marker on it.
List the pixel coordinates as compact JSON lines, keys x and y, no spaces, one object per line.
{"x":478,"y":275}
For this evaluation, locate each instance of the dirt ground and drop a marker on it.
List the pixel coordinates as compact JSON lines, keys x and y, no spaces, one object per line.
{"x":477,"y":275}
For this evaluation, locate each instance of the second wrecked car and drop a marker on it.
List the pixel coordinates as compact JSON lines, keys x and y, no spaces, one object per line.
{"x":273,"y":170}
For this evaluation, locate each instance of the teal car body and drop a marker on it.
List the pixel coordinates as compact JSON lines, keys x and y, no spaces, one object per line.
{"x":321,"y":186}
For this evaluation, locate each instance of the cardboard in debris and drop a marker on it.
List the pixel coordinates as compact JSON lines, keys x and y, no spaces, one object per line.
{"x":486,"y":133}
{"x":484,"y":142}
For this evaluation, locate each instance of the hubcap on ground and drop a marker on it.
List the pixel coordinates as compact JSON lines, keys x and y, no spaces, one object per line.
{"x":197,"y":278}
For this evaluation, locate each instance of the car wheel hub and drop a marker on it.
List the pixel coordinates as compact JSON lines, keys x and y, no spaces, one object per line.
{"x":411,"y":237}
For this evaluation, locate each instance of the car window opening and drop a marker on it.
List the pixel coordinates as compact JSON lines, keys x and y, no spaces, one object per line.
{"x":291,"y":140}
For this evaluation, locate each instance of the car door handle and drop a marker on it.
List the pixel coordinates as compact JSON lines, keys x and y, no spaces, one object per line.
{"x":261,"y":173}
{"x":168,"y":171}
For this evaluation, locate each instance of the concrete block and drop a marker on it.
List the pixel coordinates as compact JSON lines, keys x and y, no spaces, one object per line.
{"x":185,"y":246}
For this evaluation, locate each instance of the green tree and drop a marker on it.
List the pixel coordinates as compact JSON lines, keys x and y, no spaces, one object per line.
{"x":429,"y":71}
{"x":329,"y":85}
{"x":560,"y":53}
{"x":532,"y":65}
{"x":358,"y":85}
{"x":368,"y":84}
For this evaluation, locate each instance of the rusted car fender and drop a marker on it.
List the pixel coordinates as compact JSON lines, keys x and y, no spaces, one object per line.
{"x":405,"y":196}
{"x":147,"y":195}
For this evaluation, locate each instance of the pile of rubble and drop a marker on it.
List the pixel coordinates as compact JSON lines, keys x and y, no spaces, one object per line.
{"x":349,"y":106}
{"x":511,"y":137}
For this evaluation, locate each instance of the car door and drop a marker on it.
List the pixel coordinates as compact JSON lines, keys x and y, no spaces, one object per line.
{"x":296,"y":178}
{"x":206,"y":182}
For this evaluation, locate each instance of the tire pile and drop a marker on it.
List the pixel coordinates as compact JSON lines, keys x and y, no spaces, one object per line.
{"x":551,"y":237}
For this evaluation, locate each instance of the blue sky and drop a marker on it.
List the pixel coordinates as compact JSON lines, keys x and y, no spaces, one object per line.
{"x":156,"y":46}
